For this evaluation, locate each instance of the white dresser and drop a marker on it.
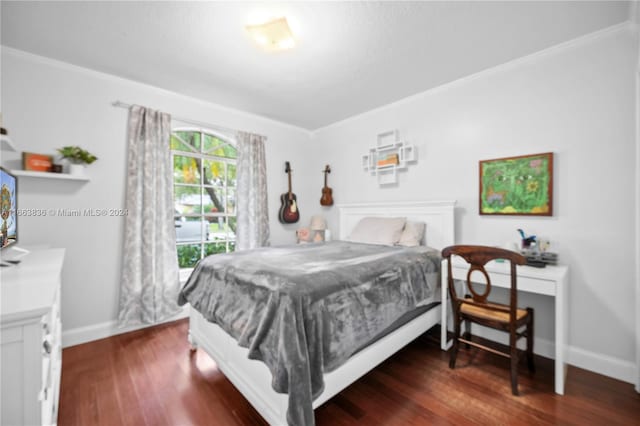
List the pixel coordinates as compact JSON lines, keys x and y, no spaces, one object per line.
{"x":31,"y":339}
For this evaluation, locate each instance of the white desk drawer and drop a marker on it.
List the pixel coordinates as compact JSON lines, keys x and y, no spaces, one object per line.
{"x":503,"y":280}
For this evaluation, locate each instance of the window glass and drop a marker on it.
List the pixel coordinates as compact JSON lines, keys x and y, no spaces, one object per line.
{"x":204,"y":179}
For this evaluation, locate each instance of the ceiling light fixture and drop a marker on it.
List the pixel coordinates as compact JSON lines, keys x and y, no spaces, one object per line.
{"x":273,"y":35}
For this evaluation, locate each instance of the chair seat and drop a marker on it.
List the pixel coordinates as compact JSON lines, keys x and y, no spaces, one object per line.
{"x":490,"y":314}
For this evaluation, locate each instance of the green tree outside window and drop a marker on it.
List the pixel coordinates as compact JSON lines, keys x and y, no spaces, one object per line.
{"x":204,"y":176}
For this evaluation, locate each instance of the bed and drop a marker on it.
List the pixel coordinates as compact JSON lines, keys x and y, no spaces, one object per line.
{"x":254,"y":379}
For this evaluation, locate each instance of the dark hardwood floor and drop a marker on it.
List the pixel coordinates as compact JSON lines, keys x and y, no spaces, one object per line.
{"x":149,"y":377}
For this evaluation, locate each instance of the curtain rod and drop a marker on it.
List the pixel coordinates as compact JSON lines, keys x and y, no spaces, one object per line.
{"x":232,"y":132}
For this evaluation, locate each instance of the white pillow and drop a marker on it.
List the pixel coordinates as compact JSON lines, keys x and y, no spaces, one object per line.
{"x":378,"y":230}
{"x":412,"y":234}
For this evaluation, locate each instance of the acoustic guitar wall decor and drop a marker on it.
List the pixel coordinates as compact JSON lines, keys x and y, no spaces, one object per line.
{"x":289,"y":212}
{"x":327,"y":193}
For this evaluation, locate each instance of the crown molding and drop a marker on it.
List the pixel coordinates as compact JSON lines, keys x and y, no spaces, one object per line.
{"x":44,"y":60}
{"x":507,"y":66}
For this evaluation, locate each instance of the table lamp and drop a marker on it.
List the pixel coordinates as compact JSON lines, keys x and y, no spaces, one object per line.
{"x":318,"y":226}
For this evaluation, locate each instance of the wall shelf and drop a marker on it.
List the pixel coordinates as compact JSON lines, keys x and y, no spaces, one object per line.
{"x":389,"y":147}
{"x":48,"y":175}
{"x":388,"y":156}
{"x":7,"y":144}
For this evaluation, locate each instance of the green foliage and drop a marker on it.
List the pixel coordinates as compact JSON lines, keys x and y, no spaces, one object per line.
{"x":185,"y":170}
{"x":218,"y":147}
{"x":211,"y":176}
{"x":185,"y":141}
{"x":215,"y":248}
{"x":77,"y":155}
{"x":189,"y":255}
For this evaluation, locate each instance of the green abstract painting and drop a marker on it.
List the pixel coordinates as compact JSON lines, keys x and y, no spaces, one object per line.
{"x":517,"y":185}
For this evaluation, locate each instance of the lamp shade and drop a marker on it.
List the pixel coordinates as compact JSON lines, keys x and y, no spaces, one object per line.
{"x":318,"y":223}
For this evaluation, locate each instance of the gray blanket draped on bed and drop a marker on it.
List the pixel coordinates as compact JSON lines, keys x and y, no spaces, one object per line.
{"x":304,"y":310}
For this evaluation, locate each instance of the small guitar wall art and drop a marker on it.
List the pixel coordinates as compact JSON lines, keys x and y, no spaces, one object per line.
{"x":327,"y":193}
{"x":289,"y":212}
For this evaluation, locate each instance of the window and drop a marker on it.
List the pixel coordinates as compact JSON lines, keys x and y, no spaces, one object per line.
{"x":204,"y":194}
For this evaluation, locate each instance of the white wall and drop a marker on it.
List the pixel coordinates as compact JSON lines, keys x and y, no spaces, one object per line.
{"x":577,"y":101}
{"x":47,"y":105}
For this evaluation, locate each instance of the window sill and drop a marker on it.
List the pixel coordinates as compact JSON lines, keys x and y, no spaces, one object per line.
{"x":184,"y":275}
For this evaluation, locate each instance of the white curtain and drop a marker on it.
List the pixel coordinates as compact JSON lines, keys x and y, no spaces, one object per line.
{"x":252,"y":207}
{"x":150,"y":283}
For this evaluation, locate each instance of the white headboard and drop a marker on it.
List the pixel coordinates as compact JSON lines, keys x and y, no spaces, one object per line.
{"x":438,"y":215}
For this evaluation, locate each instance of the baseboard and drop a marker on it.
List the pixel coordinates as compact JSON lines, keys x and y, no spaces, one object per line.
{"x":625,"y":371}
{"x":609,"y":366}
{"x":79,"y":335}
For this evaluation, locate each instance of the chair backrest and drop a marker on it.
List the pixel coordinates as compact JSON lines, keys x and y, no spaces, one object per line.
{"x":477,"y":257}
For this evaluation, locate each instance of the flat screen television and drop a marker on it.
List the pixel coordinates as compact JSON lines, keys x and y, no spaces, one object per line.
{"x":8,"y":209}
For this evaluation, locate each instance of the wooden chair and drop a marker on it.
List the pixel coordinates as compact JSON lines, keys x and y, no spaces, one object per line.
{"x":477,"y":308}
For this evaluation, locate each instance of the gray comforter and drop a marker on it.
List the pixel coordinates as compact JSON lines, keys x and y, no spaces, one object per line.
{"x":304,"y":310}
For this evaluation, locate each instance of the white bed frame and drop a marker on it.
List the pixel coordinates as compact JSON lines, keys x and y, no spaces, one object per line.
{"x":253,"y":379}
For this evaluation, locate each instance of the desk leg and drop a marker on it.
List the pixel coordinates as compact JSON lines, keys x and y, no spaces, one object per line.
{"x":444,"y":298}
{"x":562,"y":324}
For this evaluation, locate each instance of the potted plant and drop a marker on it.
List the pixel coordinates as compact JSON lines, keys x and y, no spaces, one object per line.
{"x":77,"y":158}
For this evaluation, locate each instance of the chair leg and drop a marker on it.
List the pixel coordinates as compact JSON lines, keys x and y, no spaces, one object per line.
{"x":456,"y":342}
{"x":467,"y":332}
{"x":530,"y":363}
{"x":514,"y":361}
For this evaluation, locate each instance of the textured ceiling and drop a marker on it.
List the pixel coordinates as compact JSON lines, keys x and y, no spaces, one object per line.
{"x":351,"y":56}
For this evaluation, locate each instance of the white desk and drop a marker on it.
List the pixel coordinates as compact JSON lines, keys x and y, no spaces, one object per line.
{"x":550,"y":281}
